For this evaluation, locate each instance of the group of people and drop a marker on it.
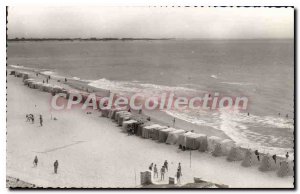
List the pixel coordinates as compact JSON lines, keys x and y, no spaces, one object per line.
{"x":164,"y":169}
{"x":274,"y":156}
{"x":55,"y":164}
{"x":30,"y":117}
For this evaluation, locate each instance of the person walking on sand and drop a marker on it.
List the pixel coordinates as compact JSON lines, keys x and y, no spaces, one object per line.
{"x":166,"y":165}
{"x":287,"y":155}
{"x":257,"y":155}
{"x":55,"y":166}
{"x":173,"y":121}
{"x":32,"y":118}
{"x":155,"y":171}
{"x":35,"y":161}
{"x":162,"y":173}
{"x":41,"y":120}
{"x":27,"y":118}
{"x":179,"y":167}
{"x":178,"y":175}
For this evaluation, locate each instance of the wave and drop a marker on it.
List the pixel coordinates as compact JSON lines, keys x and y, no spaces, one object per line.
{"x":238,"y":126}
{"x":125,"y":87}
{"x":214,"y":76}
{"x":237,"y":83}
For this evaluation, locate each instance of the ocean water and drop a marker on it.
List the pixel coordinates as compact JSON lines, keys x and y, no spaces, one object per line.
{"x":262,"y":70}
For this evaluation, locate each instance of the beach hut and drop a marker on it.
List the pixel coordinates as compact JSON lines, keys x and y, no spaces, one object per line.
{"x":12,"y":72}
{"x":226,"y":146}
{"x":155,"y":133}
{"x":182,"y":139}
{"x":203,"y":143}
{"x":212,"y":142}
{"x":25,"y":76}
{"x":38,"y":85}
{"x":123,"y":117}
{"x":174,"y":135}
{"x":163,"y":134}
{"x":57,"y":89}
{"x":267,"y":163}
{"x":217,"y":151}
{"x":113,"y":113}
{"x":34,"y":84}
{"x":192,"y":141}
{"x":250,"y":159}
{"x":18,"y":74}
{"x":223,"y":148}
{"x":104,"y":112}
{"x":117,"y":115}
{"x":140,"y":129}
{"x":285,"y":169}
{"x":235,"y":154}
{"x":147,"y":131}
{"x":26,"y":81}
{"x":128,"y":124}
{"x":136,"y":125}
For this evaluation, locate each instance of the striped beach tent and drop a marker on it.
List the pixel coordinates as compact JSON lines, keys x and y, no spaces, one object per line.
{"x":173,"y":136}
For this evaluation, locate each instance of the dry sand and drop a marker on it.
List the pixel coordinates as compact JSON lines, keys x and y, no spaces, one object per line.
{"x":93,"y":152}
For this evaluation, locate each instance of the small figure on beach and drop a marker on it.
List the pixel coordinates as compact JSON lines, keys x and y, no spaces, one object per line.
{"x":151,"y":166}
{"x":129,"y":110}
{"x":47,"y":80}
{"x":55,"y":166}
{"x":155,"y":171}
{"x":49,"y":77}
{"x":35,"y":161}
{"x":27,"y":117}
{"x":43,"y":81}
{"x":166,"y":165}
{"x":148,"y":119}
{"x":287,"y":115}
{"x":37,"y":74}
{"x":41,"y":120}
{"x":248,"y":114}
{"x":31,"y":117}
{"x":274,"y":158}
{"x":257,"y":154}
{"x":162,"y":173}
{"x":178,"y":175}
{"x":140,"y":111}
{"x":173,"y":121}
{"x":179,"y":167}
{"x":66,"y":80}
{"x":287,"y":155}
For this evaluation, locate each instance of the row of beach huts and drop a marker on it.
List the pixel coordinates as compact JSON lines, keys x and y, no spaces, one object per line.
{"x":139,"y":125}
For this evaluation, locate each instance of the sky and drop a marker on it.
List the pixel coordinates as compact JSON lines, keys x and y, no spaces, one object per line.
{"x":150,"y":22}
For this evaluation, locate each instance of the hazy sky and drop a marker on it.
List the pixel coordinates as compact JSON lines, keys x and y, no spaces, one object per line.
{"x":146,"y":22}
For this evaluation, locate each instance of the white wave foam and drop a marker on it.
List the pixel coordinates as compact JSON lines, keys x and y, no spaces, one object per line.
{"x":124,"y":87}
{"x":47,"y":72}
{"x":236,"y":126}
{"x":237,"y":83}
{"x":214,"y":76}
{"x":17,"y":66}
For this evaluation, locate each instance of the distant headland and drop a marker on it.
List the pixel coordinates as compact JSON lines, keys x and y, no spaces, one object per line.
{"x":84,"y":39}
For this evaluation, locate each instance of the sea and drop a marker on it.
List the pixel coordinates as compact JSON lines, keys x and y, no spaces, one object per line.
{"x":262,"y":70}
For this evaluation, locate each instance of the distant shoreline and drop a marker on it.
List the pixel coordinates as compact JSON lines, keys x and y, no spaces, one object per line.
{"x":135,"y":39}
{"x":85,"y":39}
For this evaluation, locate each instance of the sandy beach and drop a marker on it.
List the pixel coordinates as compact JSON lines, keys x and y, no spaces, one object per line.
{"x":93,"y":152}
